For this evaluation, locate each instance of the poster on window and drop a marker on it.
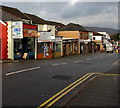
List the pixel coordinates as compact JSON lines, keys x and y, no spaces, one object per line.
{"x":30,"y":33}
{"x":17,"y":29}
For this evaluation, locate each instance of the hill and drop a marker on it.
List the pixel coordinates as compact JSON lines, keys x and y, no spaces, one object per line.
{"x":98,"y":29}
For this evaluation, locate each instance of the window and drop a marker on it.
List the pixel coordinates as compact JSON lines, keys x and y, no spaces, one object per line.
{"x":17,"y":46}
{"x":40,"y":48}
{"x":58,"y":47}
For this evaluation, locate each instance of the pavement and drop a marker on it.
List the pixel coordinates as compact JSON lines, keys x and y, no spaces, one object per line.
{"x":20,"y":60}
{"x":101,"y":91}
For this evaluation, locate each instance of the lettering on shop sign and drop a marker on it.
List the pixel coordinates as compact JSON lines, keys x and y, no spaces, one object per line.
{"x":17,"y":30}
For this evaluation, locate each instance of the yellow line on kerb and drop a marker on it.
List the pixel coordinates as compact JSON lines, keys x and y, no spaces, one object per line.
{"x":105,"y":74}
{"x":55,"y":100}
{"x":43,"y":104}
{"x":111,"y":74}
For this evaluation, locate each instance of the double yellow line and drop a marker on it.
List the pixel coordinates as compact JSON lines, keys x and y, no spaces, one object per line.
{"x":67,"y":89}
{"x":63,"y":92}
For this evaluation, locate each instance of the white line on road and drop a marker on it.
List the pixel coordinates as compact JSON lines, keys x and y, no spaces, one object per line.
{"x":81,"y":60}
{"x":95,"y":57}
{"x":116,"y":62}
{"x":55,"y":64}
{"x":76,"y":61}
{"x":11,"y":73}
{"x":89,"y":59}
{"x":64,"y":63}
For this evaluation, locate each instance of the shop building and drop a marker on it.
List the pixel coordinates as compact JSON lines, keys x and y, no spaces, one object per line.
{"x":98,"y":40}
{"x":73,"y":38}
{"x":57,"y":50}
{"x":3,"y":40}
{"x":44,"y":45}
{"x":22,"y":40}
{"x":48,"y":43}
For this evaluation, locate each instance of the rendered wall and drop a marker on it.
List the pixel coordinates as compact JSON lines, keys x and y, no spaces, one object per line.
{"x":3,"y":43}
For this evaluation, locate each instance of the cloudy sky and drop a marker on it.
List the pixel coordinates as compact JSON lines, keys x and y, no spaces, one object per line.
{"x":96,"y":14}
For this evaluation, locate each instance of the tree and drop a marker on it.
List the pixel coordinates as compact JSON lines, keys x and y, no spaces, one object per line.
{"x":115,"y":37}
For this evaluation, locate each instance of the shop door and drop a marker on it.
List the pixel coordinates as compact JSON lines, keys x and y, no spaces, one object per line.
{"x":67,"y":49}
{"x":29,"y":47}
{"x":18,"y":51}
{"x":64,"y":49}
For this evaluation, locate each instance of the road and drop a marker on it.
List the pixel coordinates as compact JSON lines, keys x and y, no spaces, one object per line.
{"x":30,"y":83}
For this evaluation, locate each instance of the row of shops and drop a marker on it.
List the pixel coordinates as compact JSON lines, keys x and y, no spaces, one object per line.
{"x":26,"y":36}
{"x":26,"y":41}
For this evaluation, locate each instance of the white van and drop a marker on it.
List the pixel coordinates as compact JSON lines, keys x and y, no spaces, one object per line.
{"x":109,"y":48}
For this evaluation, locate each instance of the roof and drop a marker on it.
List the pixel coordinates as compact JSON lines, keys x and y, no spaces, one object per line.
{"x":14,"y":11}
{"x":36,"y":19}
{"x":58,"y":25}
{"x":97,"y":34}
{"x":73,"y":27}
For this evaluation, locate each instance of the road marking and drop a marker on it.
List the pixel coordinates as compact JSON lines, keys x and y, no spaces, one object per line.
{"x":65,"y":91}
{"x":111,"y":74}
{"x":89,"y":59}
{"x":64,"y":63}
{"x":20,"y":71}
{"x":76,"y":61}
{"x":50,"y":104}
{"x":81,"y":60}
{"x":55,"y":64}
{"x":115,"y":62}
{"x":95,"y":57}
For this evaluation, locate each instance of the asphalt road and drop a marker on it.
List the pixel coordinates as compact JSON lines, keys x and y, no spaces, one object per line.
{"x":30,"y":83}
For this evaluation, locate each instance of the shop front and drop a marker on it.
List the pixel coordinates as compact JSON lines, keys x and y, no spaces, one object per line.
{"x":26,"y":47}
{"x":44,"y":45}
{"x":57,"y":47}
{"x":44,"y":50}
{"x":71,"y":47}
{"x":22,"y":40}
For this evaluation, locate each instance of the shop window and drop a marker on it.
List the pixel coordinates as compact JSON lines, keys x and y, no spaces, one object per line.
{"x":18,"y":48}
{"x":58,"y":47}
{"x":40,"y":48}
{"x":31,"y":45}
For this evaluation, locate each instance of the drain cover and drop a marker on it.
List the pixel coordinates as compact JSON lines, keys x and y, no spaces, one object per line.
{"x":62,"y":77}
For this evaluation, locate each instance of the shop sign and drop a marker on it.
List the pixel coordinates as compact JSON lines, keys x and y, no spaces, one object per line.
{"x":30,"y":33}
{"x":45,"y":37}
{"x":17,"y":29}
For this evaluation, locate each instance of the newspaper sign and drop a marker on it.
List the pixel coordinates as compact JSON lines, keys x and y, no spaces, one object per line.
{"x":17,"y":29}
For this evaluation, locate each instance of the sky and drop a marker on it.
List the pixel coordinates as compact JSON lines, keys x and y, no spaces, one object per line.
{"x":95,"y":14}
